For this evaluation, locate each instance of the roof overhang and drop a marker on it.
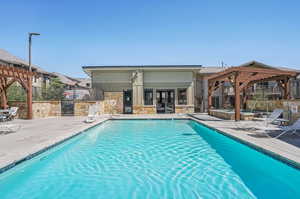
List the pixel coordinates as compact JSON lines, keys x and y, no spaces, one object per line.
{"x":253,"y":67}
{"x":89,"y":69}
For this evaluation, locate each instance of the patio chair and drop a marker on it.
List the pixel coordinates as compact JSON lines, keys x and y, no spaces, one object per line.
{"x":9,"y":128}
{"x":13,"y":113}
{"x":266,"y":122}
{"x":3,"y":118}
{"x":8,"y":114}
{"x":292,"y":129}
{"x":92,"y":114}
{"x":273,"y":117}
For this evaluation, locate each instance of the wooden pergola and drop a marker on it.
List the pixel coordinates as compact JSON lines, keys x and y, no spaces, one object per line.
{"x":245,"y":76}
{"x":11,"y":74}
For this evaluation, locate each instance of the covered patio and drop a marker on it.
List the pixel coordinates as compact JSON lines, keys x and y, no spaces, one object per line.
{"x":245,"y":76}
{"x":11,"y":74}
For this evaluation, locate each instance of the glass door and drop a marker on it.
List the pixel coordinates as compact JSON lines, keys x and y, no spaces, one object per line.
{"x":127,"y":101}
{"x":165,"y":101}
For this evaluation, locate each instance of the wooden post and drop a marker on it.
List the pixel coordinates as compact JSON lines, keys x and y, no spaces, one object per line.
{"x":29,"y":98}
{"x":237,"y":103}
{"x":210,"y":89}
{"x":4,"y":100}
{"x":222,"y":95}
{"x":287,"y":89}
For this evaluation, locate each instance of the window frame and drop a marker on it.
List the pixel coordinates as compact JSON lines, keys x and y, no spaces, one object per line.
{"x":148,"y":90}
{"x":179,"y":100}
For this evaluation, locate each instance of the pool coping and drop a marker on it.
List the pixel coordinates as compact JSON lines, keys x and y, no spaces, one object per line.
{"x":252,"y":145}
{"x":38,"y":152}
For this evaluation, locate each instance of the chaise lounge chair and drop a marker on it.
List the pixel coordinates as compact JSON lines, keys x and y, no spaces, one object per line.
{"x":266,"y":122}
{"x":92,"y":114}
{"x":10,"y":115}
{"x":292,"y":129}
{"x":273,"y":117}
{"x":13,"y":113}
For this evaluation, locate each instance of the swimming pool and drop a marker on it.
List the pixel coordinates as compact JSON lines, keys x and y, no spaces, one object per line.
{"x":152,"y":159}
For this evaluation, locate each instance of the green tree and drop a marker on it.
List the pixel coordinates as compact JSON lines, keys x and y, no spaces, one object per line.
{"x":55,"y":90}
{"x":16,"y":92}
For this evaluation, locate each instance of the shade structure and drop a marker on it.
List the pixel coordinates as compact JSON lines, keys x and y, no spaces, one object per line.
{"x":246,"y":75}
{"x":11,"y":74}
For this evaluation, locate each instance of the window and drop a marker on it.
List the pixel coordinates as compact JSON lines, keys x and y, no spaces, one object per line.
{"x":182,"y":96}
{"x":297,"y":89}
{"x":263,"y":84}
{"x":148,"y":96}
{"x":216,"y":102}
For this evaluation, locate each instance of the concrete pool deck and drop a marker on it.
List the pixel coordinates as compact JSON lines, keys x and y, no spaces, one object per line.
{"x":286,"y":148}
{"x":38,"y":134}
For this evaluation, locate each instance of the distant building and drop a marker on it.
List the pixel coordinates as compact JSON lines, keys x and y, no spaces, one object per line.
{"x":75,"y":88}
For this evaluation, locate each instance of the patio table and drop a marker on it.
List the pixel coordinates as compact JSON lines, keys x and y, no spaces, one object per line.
{"x":3,"y":114}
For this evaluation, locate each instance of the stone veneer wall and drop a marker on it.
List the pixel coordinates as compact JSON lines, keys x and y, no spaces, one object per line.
{"x":269,"y":105}
{"x":184,"y":109}
{"x":44,"y":109}
{"x":113,"y":103}
{"x":81,"y":108}
{"x":288,"y":114}
{"x":40,"y":109}
{"x":230,"y":115}
{"x":144,"y":109}
{"x":152,"y":109}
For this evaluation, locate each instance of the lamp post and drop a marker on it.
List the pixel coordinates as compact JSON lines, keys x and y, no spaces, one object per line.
{"x":29,"y":80}
{"x":29,"y":47}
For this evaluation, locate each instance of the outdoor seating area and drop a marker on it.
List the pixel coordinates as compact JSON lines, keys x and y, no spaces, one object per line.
{"x":268,"y":129}
{"x":8,"y":114}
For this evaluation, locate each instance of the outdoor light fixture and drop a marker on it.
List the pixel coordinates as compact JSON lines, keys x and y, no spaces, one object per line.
{"x":34,"y":33}
{"x":29,"y":46}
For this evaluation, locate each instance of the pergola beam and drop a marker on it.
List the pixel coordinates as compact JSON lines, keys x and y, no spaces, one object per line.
{"x":231,"y":70}
{"x":242,"y":77}
{"x":237,"y":93}
{"x":11,"y":74}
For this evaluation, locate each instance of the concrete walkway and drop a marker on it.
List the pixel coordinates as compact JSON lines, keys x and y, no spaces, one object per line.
{"x":35,"y":135}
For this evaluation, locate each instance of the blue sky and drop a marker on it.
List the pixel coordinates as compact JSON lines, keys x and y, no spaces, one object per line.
{"x":120,"y":32}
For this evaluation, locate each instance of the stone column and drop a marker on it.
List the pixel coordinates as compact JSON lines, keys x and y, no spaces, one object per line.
{"x":138,"y":88}
{"x":205,"y":95}
{"x":154,"y":96}
{"x":176,"y":96}
{"x":191,"y":91}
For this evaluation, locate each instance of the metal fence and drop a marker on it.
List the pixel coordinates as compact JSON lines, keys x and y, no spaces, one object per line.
{"x":16,"y":93}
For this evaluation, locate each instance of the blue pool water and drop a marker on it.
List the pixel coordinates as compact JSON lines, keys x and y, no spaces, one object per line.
{"x":151,"y":159}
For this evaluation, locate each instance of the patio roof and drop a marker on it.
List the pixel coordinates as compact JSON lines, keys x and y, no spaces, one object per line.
{"x":11,"y":60}
{"x":243,"y":76}
{"x":11,"y":74}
